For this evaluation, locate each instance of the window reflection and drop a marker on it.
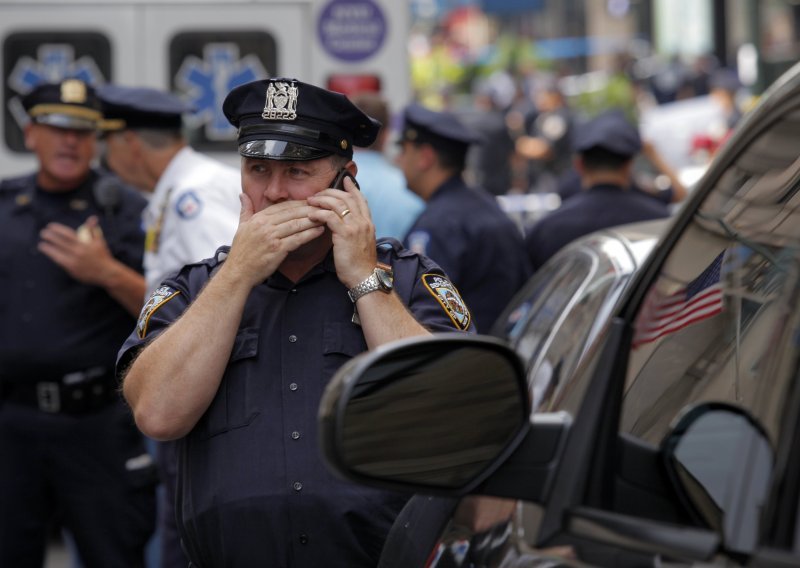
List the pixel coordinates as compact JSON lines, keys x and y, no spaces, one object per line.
{"x":718,"y":324}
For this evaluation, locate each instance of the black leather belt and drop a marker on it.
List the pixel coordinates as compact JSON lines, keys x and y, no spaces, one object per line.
{"x":74,"y":393}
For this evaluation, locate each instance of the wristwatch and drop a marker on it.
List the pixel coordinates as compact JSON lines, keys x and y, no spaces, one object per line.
{"x":379,"y":280}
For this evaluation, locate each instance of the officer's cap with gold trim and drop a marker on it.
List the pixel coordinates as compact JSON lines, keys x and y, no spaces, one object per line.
{"x":421,"y":124}
{"x":70,"y":104}
{"x":140,"y":107}
{"x":286,"y":119}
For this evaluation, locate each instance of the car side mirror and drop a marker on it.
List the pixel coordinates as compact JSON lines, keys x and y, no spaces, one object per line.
{"x":432,"y":414}
{"x":719,"y":460}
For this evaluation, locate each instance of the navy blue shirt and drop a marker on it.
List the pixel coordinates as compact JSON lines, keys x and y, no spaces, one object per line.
{"x":599,"y":207}
{"x":50,"y":323}
{"x":253,"y":490}
{"x":476,"y":243}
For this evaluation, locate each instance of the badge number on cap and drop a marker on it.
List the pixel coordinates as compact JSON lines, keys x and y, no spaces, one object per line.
{"x":444,"y":291}
{"x":281,"y":103}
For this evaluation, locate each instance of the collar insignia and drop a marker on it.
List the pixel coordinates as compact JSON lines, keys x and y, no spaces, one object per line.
{"x":447,"y":295}
{"x":281,"y":101}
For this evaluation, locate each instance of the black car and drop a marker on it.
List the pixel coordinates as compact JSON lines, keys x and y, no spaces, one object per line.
{"x":675,"y":442}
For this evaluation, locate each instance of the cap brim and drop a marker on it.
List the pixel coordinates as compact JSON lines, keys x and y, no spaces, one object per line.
{"x":66,"y":121}
{"x":280,"y":150}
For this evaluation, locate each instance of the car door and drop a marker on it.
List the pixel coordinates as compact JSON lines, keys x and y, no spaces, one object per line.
{"x":713,"y":318}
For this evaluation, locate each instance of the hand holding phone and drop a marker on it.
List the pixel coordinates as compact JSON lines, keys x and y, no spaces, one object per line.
{"x":338,"y":181}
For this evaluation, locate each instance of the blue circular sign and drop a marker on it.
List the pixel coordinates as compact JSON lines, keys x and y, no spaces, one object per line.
{"x":351,"y":30}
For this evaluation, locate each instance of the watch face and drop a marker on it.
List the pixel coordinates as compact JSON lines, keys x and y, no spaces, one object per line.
{"x":385,"y":279}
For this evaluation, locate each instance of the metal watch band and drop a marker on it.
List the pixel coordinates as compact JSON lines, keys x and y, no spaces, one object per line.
{"x":371,"y":284}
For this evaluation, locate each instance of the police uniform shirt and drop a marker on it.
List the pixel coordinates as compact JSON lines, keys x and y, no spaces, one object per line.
{"x":254,"y":490}
{"x":193,"y":211}
{"x":597,"y":208}
{"x":50,"y":323}
{"x":476,"y":243}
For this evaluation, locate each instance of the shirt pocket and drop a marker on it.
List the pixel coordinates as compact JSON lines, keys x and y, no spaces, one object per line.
{"x":341,"y":341}
{"x":236,"y":402}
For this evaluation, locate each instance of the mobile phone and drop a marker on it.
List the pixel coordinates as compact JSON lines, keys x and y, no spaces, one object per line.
{"x":338,"y":181}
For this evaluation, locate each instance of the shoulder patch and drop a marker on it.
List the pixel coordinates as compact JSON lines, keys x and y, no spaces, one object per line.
{"x":188,"y":205}
{"x":418,"y":241}
{"x":158,"y":298}
{"x":447,"y":295}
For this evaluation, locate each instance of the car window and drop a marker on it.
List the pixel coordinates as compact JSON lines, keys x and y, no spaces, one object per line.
{"x":719,"y":323}
{"x":561,"y":310}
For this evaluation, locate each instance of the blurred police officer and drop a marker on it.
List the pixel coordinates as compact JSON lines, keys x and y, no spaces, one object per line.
{"x":462,"y":228}
{"x":195,"y":199}
{"x":231,"y":356}
{"x":193,"y":210}
{"x":548,"y":136}
{"x":72,"y":252}
{"x":605,"y":147}
{"x":392,"y":206}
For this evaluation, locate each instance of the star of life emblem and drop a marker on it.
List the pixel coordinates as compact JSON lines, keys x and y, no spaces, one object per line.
{"x":281,"y":103}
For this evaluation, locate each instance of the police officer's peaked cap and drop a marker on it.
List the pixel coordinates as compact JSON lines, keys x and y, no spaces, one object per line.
{"x":610,"y":131}
{"x":422,"y":124}
{"x":286,"y":119}
{"x":70,"y":104}
{"x":140,"y":107}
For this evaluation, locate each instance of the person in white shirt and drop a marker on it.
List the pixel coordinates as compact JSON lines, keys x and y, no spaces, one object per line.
{"x":194,"y":204}
{"x":193,"y":209}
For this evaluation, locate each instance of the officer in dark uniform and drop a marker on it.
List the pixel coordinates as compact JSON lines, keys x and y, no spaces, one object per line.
{"x":70,"y":271}
{"x":462,"y":228}
{"x":259,"y":329}
{"x":605,"y":147}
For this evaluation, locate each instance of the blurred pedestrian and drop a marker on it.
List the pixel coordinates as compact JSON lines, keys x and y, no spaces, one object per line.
{"x":462,"y":228}
{"x":71,"y":285}
{"x":605,"y":147}
{"x":392,"y":205}
{"x":547,"y":142}
{"x":490,"y":160}
{"x":232,"y":355}
{"x":194,"y":209}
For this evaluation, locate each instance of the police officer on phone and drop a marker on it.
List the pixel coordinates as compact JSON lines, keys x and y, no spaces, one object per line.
{"x":70,"y":286}
{"x":231,"y":356}
{"x":462,"y":228}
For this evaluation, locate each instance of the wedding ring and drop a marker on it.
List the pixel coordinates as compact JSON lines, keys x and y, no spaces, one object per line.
{"x":344,"y":213}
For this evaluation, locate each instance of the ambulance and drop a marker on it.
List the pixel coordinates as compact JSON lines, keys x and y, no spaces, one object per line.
{"x":199,"y":50}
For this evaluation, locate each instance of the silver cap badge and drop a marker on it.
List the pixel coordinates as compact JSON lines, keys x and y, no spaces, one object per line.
{"x":281,"y":101}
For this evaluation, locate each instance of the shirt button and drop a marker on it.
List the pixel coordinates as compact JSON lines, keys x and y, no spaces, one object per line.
{"x":27,"y":318}
{"x":292,"y":386}
{"x":30,"y":284}
{"x":295,"y":435}
{"x":292,"y":338}
{"x":293,"y":291}
{"x":297,"y":486}
{"x":303,"y":538}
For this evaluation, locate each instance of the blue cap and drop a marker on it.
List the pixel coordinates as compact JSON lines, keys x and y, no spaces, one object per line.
{"x":286,"y":119}
{"x":140,"y":107}
{"x":421,"y":124}
{"x":610,"y":131}
{"x":70,"y":104}
{"x":726,"y":80}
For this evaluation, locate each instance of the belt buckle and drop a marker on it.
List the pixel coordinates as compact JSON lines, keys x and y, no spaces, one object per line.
{"x":48,"y":396}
